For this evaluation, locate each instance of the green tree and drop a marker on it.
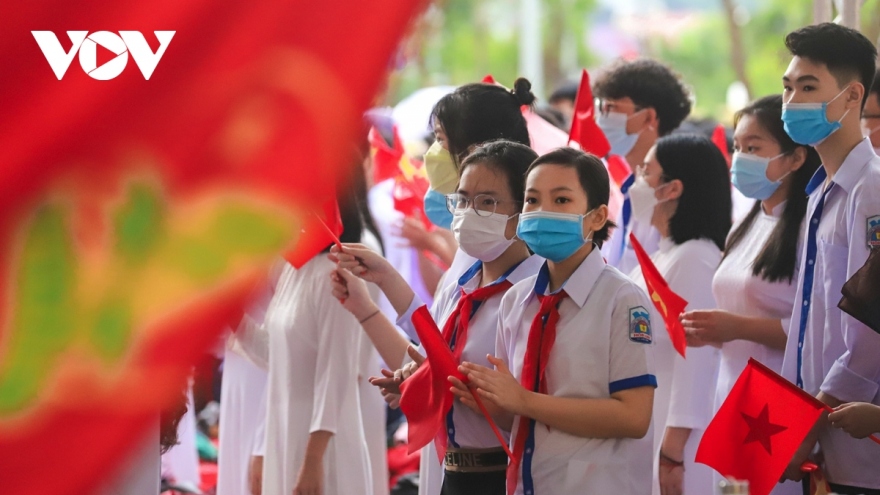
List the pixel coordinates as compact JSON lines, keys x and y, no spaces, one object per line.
{"x":461,"y":41}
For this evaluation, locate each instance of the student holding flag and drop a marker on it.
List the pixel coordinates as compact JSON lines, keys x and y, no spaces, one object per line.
{"x":830,"y":354}
{"x":640,"y":101}
{"x":684,"y":192}
{"x":485,"y":212}
{"x":573,"y":374}
{"x":754,"y":285}
{"x":315,"y":440}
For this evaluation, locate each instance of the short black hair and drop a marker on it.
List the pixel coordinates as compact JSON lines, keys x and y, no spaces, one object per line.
{"x":875,"y":85}
{"x":567,"y":91}
{"x":847,"y":53}
{"x":477,"y":113}
{"x":649,"y":84}
{"x":777,"y":259}
{"x":704,"y":208}
{"x":509,"y":158}
{"x":592,"y":176}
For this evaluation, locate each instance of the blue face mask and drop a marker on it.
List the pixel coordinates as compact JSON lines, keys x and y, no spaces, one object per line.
{"x":613,"y":124}
{"x":807,"y":123}
{"x":553,"y":236}
{"x":749,"y":175}
{"x":436,"y":210}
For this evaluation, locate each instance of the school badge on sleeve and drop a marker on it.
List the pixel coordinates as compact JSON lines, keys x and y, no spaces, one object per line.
{"x":640,"y":325}
{"x":874,"y":231}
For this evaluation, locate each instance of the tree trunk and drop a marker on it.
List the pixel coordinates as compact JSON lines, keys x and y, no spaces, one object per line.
{"x":737,"y":53}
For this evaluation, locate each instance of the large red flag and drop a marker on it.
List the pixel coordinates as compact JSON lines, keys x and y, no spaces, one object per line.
{"x":668,"y":303}
{"x":584,"y":129}
{"x":137,"y":214}
{"x":758,"y":428}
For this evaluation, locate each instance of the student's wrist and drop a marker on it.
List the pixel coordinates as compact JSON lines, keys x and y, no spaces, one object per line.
{"x":366,"y":314}
{"x":527,"y":404}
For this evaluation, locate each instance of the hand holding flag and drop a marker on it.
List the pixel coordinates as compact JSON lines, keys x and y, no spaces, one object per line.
{"x":668,"y":303}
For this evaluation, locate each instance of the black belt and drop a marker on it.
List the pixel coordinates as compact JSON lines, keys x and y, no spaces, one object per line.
{"x":476,"y":460}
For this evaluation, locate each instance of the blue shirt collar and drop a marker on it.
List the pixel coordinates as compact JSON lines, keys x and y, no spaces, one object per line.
{"x":475,"y":269}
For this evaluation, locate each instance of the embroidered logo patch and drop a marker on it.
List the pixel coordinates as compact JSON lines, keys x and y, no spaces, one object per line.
{"x":874,"y":231}
{"x":640,"y":325}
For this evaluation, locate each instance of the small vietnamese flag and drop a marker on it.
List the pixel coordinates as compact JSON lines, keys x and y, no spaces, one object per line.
{"x":719,"y":139}
{"x":668,"y":303}
{"x":320,"y":229}
{"x":758,"y":428}
{"x":618,"y":169}
{"x":425,"y":398}
{"x":386,"y":157}
{"x":584,"y":129}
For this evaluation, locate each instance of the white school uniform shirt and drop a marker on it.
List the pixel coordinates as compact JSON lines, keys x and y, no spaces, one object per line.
{"x":737,"y":290}
{"x":598,"y":351}
{"x":685,"y":387}
{"x":827,"y":349}
{"x":313,"y":367}
{"x":468,"y":429}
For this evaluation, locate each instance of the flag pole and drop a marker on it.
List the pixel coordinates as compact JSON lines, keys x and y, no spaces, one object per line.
{"x":491,"y":421}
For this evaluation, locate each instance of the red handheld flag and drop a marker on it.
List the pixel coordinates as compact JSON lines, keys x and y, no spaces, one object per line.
{"x":618,"y":169}
{"x":758,"y":428}
{"x":386,"y":158}
{"x":668,"y":303}
{"x":584,"y":129}
{"x":320,"y":229}
{"x":425,"y":397}
{"x":719,"y":139}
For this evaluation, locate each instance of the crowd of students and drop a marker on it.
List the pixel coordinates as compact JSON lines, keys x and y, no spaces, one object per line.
{"x":546,"y":309}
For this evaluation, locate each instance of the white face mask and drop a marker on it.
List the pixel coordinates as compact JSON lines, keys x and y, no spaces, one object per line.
{"x":481,"y":236}
{"x":643,"y":200}
{"x":613,"y":124}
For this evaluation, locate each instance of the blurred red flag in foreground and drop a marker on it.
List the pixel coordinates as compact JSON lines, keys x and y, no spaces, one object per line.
{"x":758,"y":428}
{"x":138,"y":214}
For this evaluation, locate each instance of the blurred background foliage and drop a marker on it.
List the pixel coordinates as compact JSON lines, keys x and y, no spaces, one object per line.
{"x":711,"y":43}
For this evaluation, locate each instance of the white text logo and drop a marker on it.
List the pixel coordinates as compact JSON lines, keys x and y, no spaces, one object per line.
{"x":87,"y":45}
